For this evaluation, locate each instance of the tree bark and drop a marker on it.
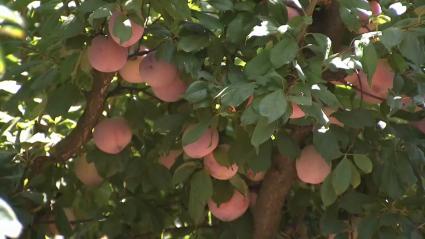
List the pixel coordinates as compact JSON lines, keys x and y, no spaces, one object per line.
{"x":79,"y":136}
{"x":274,"y":190}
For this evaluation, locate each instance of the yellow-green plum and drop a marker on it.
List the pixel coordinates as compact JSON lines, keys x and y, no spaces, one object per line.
{"x":112,"y":135}
{"x":136,"y":30}
{"x":105,"y":55}
{"x":311,"y":166}
{"x":230,"y":210}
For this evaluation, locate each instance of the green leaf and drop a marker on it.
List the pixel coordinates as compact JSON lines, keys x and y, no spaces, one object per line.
{"x":60,"y":100}
{"x":122,"y":28}
{"x":288,"y":147}
{"x":277,"y":10}
{"x":196,"y":92}
{"x":363,"y":162}
{"x":341,"y":178}
{"x":326,"y":96}
{"x":355,"y":178}
{"x":222,"y":5}
{"x":2,"y":64}
{"x":239,"y":28}
{"x":99,"y":13}
{"x":369,"y":61}
{"x":11,"y":227}
{"x":62,"y":222}
{"x":201,"y":190}
{"x":368,"y":226}
{"x":196,"y":132}
{"x":184,"y":171}
{"x":412,"y":48}
{"x":222,"y":157}
{"x":262,"y":132}
{"x":356,"y":118}
{"x":223,"y":191}
{"x":259,"y":65}
{"x":273,"y":106}
{"x":235,"y":94}
{"x":327,"y":192}
{"x":239,"y":184}
{"x":327,"y":145}
{"x":193,"y":43}
{"x":284,"y":51}
{"x":391,"y":37}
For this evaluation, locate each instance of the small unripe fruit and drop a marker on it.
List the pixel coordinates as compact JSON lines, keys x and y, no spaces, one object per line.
{"x":136,"y":31}
{"x":255,"y":177}
{"x":296,"y":112}
{"x":169,"y":159}
{"x":292,"y":12}
{"x":112,"y":135}
{"x":230,"y":210}
{"x":157,"y":73}
{"x":105,"y":55}
{"x":311,"y":167}
{"x":87,"y":173}
{"x":203,"y":145}
{"x":217,"y":170}
{"x":172,"y":92}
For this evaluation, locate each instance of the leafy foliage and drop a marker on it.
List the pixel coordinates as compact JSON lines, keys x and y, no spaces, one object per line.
{"x":245,"y":63}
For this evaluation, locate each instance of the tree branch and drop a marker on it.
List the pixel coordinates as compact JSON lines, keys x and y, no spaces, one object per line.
{"x":72,"y":143}
{"x":274,"y":190}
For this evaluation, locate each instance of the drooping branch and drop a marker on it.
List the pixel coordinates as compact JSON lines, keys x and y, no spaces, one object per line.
{"x":72,"y":143}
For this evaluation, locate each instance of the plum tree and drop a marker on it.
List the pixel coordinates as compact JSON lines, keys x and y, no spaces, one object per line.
{"x":172,"y":92}
{"x":117,"y":110}
{"x":105,"y":55}
{"x":86,"y":172}
{"x":136,"y":30}
{"x":157,"y":73}
{"x":311,"y":166}
{"x":215,"y":169}
{"x":204,"y":145}
{"x":170,"y":158}
{"x":112,"y":135}
{"x":230,"y":210}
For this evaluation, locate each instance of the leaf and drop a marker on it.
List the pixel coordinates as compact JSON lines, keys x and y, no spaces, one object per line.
{"x":60,"y":100}
{"x":237,"y":93}
{"x":10,"y":226}
{"x":288,"y":147}
{"x":412,"y":49}
{"x":325,"y":95}
{"x":391,"y":37}
{"x":369,"y":61}
{"x":122,"y":28}
{"x":277,"y":11}
{"x":223,"y":5}
{"x":193,"y":43}
{"x":239,"y":184}
{"x":327,"y":145}
{"x":201,"y":190}
{"x":62,"y":222}
{"x":363,"y":162}
{"x":262,"y":132}
{"x":273,"y":106}
{"x":355,"y":177}
{"x":356,"y":118}
{"x":284,"y":51}
{"x":239,"y":28}
{"x":196,"y":132}
{"x":341,"y":176}
{"x":99,"y":13}
{"x":196,"y":92}
{"x":223,"y":191}
{"x":327,"y":192}
{"x":259,"y":65}
{"x":368,"y":226}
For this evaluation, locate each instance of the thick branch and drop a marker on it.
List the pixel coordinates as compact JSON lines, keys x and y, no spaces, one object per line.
{"x":72,"y":143}
{"x":274,"y":190}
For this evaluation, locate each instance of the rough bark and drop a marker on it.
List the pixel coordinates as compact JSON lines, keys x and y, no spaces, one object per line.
{"x":274,"y":190}
{"x":72,"y":143}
